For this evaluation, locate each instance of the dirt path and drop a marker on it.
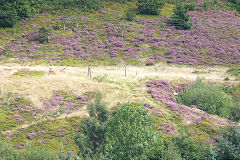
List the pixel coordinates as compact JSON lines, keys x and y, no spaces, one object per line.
{"x":169,"y":72}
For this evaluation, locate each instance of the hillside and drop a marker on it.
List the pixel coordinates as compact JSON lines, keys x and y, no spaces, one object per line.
{"x":105,"y":37}
{"x":186,"y":80}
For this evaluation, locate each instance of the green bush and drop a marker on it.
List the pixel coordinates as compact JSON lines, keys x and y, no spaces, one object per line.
{"x":8,"y":18}
{"x":236,"y":4}
{"x":91,"y":4}
{"x":44,"y":34}
{"x":234,"y":72}
{"x":229,"y":144}
{"x":8,"y":153}
{"x":12,"y":11}
{"x":188,"y":149}
{"x":29,"y":152}
{"x":130,"y":135}
{"x":91,"y":141}
{"x":130,"y":15}
{"x":149,"y":6}
{"x":190,"y":6}
{"x":235,"y":110}
{"x":207,"y":97}
{"x":181,"y":20}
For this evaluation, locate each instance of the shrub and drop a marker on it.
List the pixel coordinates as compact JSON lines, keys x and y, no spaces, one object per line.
{"x":91,"y":4}
{"x":29,"y":152}
{"x":236,"y":4}
{"x":91,"y":141}
{"x":190,"y":6}
{"x":229,"y":144}
{"x":234,"y":72}
{"x":136,"y":138}
{"x":8,"y":153}
{"x":149,"y":6}
{"x":130,"y":15}
{"x":43,"y":35}
{"x":235,"y":110}
{"x":207,"y":97}
{"x":8,"y":18}
{"x":181,"y":20}
{"x":12,"y":11}
{"x":188,"y":149}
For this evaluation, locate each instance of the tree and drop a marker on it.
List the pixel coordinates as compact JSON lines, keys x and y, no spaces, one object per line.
{"x":130,"y":135}
{"x":229,"y":144}
{"x":91,"y":141}
{"x":181,"y":20}
{"x":8,"y":18}
{"x":43,"y":35}
{"x":149,"y":6}
{"x":14,"y":10}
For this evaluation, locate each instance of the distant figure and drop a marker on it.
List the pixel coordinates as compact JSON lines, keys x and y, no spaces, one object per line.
{"x":89,"y":71}
{"x":50,"y":71}
{"x":62,"y":69}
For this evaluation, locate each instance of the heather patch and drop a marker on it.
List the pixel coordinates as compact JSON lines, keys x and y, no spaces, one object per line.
{"x":62,"y":102}
{"x":55,"y":135}
{"x":101,"y":39}
{"x":15,"y":111}
{"x":163,"y":92}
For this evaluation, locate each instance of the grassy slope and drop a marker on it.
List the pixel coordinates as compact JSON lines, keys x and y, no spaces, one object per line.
{"x":58,"y":131}
{"x":55,"y":130}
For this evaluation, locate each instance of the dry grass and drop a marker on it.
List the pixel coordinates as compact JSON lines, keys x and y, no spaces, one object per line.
{"x":116,"y":87}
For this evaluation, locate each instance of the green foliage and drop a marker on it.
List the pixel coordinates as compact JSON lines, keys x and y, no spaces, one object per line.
{"x":91,"y":141}
{"x":29,"y":152}
{"x":236,"y":4}
{"x":234,"y":72}
{"x":25,"y":72}
{"x":44,"y":34}
{"x":171,"y":151}
{"x":149,"y":6}
{"x":12,"y":11}
{"x":229,"y":144}
{"x":67,"y":156}
{"x":190,"y":150}
{"x":190,"y":6}
{"x":8,"y":18}
{"x":91,"y":4}
{"x":7,"y":152}
{"x":235,"y":110}
{"x":207,"y":97}
{"x":98,"y":109}
{"x":130,"y":135}
{"x":181,"y":20}
{"x":130,"y":15}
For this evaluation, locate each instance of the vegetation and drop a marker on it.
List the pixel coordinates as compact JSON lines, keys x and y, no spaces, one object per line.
{"x":136,"y":138}
{"x":12,"y":11}
{"x":149,"y":6}
{"x":207,"y":97}
{"x":44,"y":34}
{"x":181,"y":20}
{"x":130,"y":15}
{"x":44,"y":120}
{"x":25,"y":73}
{"x":235,"y":110}
{"x":27,"y":153}
{"x":91,"y":141}
{"x":229,"y":144}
